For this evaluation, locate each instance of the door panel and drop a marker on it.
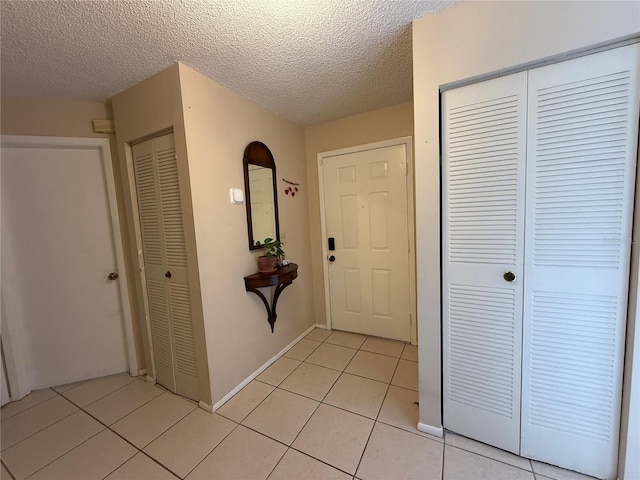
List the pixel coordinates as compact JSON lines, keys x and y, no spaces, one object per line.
{"x":165,"y":256}
{"x":365,"y":196}
{"x":580,"y":189}
{"x":58,"y":247}
{"x":484,"y":127}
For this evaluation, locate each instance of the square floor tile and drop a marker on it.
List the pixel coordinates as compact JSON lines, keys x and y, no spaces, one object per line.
{"x":311,"y":381}
{"x":185,"y":444}
{"x":358,"y":395}
{"x":35,"y":452}
{"x":123,"y":401}
{"x":31,"y":400}
{"x":94,"y":459}
{"x":278,"y":371}
{"x":556,"y":473}
{"x":148,"y":422}
{"x":281,"y":415}
{"x":318,"y":334}
{"x":335,"y":437}
{"x":4,"y":473}
{"x":346,"y":339}
{"x":400,"y":410}
{"x":406,"y":375}
{"x":296,"y":465}
{"x":394,"y":453}
{"x":487,"y":451}
{"x":242,"y":455}
{"x":302,"y":349}
{"x":243,"y":402}
{"x":141,"y":467}
{"x":410,"y":352}
{"x":383,"y":346}
{"x":373,"y":366}
{"x":332,"y":356}
{"x":462,"y":465}
{"x":34,"y":419}
{"x":92,"y":390}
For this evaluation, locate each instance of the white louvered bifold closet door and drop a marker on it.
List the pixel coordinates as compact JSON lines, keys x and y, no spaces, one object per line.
{"x":484,"y":128}
{"x":165,"y":261}
{"x":581,"y":154}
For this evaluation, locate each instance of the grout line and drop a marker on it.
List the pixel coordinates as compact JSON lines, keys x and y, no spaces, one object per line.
{"x":102,"y":397}
{"x":211,"y":451}
{"x":41,"y":430}
{"x":444,"y":448}
{"x":8,"y":470}
{"x":492,"y":458}
{"x":32,"y":406}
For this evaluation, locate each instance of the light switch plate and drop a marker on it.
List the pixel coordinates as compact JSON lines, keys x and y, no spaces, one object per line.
{"x":236,"y":195}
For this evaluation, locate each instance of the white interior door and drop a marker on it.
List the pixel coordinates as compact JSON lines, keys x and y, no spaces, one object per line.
{"x":484,"y":127}
{"x":365,"y":202}
{"x":583,"y":124}
{"x":165,"y":264}
{"x":65,"y":317}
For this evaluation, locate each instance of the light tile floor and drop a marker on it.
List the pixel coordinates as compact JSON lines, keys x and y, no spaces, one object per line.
{"x":336,"y":406}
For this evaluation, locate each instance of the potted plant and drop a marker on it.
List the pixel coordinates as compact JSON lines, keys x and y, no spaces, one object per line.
{"x":273,"y":255}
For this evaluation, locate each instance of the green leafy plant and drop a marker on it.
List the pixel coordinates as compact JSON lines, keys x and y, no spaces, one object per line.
{"x":273,"y":248}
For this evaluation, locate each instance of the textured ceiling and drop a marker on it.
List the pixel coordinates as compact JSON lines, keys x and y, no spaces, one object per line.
{"x":307,"y":60}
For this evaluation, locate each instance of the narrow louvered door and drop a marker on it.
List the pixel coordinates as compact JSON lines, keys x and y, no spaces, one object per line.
{"x":582,"y":137}
{"x":165,"y":259}
{"x":483,"y":211}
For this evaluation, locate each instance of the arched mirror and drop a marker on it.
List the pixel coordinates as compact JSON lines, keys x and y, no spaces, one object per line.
{"x":262,"y":195}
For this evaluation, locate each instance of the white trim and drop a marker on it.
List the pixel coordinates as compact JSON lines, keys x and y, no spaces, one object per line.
{"x":408,"y":144}
{"x":205,"y":406}
{"x":431,"y":430}
{"x":102,"y":145}
{"x":322,"y":326}
{"x":267,"y":364}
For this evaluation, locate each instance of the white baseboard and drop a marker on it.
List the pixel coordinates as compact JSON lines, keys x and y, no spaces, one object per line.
{"x":321,"y":325}
{"x":142,"y":372}
{"x":205,"y":406}
{"x":431,"y":430}
{"x":266,"y":365}
{"x":150,"y":379}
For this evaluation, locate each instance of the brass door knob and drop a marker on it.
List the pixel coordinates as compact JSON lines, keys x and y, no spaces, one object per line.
{"x":113,"y":276}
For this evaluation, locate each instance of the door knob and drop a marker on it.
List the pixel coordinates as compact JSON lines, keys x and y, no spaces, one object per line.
{"x":167,"y":274}
{"x":509,"y":276}
{"x":332,"y":258}
{"x":113,"y":276}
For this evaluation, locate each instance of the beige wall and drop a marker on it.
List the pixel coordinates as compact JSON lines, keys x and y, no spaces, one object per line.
{"x":375,"y":126}
{"x":149,"y":108}
{"x":219,"y":124}
{"x":463,"y":41}
{"x":72,"y":119}
{"x":55,"y":119}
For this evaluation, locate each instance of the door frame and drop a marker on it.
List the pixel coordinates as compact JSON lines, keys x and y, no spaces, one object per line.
{"x":407,"y":142}
{"x":14,"y":362}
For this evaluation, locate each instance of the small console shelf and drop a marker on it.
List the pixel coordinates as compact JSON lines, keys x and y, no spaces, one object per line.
{"x":281,"y":279}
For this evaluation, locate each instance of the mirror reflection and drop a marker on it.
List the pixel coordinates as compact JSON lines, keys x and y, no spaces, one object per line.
{"x":261,"y":194}
{"x":262,"y":203}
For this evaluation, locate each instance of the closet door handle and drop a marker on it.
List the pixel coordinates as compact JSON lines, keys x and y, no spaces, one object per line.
{"x":168,"y":274}
{"x":509,"y":276}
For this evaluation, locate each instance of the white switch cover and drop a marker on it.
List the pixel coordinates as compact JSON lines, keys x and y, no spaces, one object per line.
{"x":236,"y":195}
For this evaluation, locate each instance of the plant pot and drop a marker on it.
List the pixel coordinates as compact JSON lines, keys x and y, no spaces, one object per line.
{"x":267,"y":264}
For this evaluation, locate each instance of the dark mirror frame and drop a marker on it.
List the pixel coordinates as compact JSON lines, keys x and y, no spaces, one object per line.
{"x":257,"y":153}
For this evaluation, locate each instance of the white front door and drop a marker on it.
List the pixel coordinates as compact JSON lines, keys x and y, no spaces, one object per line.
{"x":65,"y":316}
{"x":366,"y":213}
